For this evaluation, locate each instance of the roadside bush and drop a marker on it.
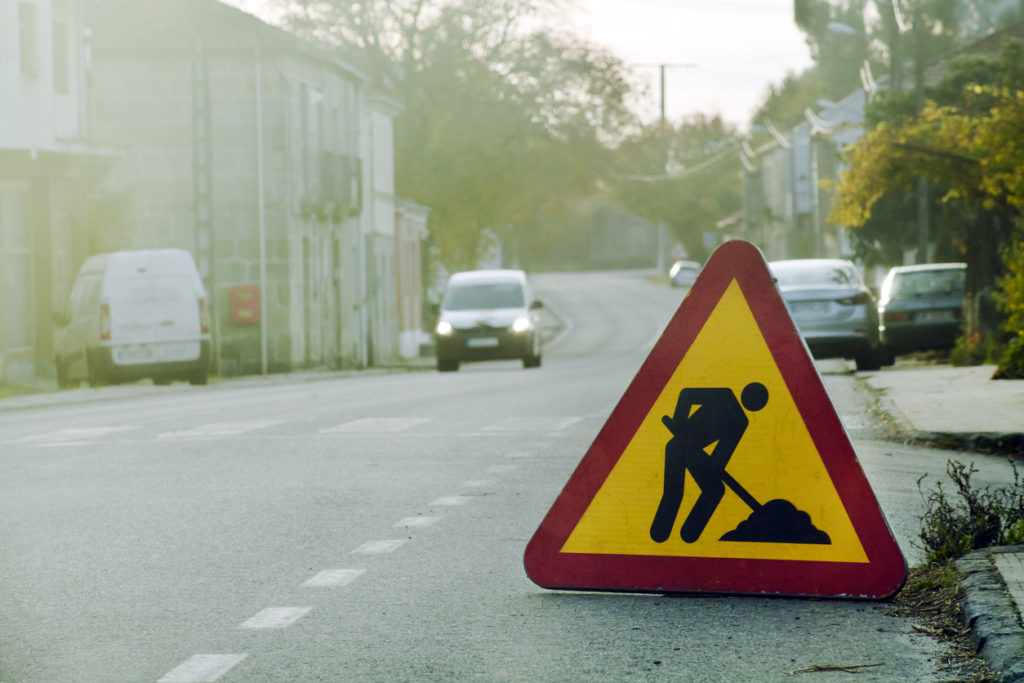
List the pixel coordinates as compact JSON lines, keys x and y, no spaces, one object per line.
{"x":976,"y":349}
{"x":974,"y":518}
{"x":1010,"y":298}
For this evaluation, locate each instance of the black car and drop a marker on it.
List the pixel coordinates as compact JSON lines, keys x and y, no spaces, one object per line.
{"x":920,"y":307}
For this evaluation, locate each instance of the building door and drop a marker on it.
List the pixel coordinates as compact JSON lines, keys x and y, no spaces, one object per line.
{"x":16,"y":290}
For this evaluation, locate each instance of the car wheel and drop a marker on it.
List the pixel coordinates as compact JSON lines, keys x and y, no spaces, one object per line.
{"x":888,"y":357}
{"x":199,"y":378}
{"x":532,"y":359}
{"x":447,"y":364}
{"x":868,"y":359}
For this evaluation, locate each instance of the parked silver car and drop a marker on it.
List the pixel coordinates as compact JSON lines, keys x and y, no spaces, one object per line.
{"x":834,"y":310}
{"x":921,"y":307}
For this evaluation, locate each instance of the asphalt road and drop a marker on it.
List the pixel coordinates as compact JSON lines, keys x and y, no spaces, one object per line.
{"x":372,"y":527}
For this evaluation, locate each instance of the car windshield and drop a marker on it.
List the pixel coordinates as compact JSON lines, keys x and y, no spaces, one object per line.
{"x":485,"y":295}
{"x":796,"y":274}
{"x":922,"y":282}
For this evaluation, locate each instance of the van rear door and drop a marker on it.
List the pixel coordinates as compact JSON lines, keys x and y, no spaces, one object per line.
{"x":154,"y":309}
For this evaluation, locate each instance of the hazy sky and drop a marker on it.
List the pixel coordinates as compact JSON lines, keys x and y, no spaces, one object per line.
{"x":736,"y":49}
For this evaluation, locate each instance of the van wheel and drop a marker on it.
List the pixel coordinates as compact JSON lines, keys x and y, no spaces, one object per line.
{"x":95,"y":376}
{"x":198,"y":379}
{"x":62,"y":376}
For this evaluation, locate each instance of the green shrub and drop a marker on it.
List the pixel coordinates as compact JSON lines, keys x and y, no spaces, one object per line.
{"x":976,"y":518}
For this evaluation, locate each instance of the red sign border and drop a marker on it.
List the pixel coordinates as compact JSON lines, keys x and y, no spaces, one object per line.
{"x":881,"y":577}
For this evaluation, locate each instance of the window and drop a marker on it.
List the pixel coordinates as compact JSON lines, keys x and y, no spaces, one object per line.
{"x":61,"y":75}
{"x":28,"y":37}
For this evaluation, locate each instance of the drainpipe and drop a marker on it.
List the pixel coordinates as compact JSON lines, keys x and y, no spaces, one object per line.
{"x":261,"y":211}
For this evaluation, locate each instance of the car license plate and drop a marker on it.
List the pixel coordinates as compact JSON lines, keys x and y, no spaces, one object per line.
{"x":802,"y":307}
{"x":482,"y":342}
{"x":935,"y":316}
{"x":155,"y":353}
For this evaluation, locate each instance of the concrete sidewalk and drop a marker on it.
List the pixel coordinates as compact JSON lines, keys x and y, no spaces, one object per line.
{"x":963,"y":408}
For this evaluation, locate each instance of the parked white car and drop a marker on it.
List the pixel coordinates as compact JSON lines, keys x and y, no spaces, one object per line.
{"x":134,"y":314}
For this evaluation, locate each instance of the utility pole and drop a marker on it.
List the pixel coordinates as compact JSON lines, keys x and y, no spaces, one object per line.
{"x":662,"y":67}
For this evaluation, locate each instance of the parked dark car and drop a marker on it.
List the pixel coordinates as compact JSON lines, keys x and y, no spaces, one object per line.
{"x":832,"y":307}
{"x":921,"y":307}
{"x":683,"y":273}
{"x":488,"y":315}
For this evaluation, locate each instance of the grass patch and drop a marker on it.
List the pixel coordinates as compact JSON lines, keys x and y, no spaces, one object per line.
{"x":969,"y":518}
{"x":932,"y":598}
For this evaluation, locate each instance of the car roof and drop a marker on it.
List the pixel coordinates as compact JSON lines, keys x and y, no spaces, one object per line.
{"x":491,"y":275}
{"x":929,"y":266}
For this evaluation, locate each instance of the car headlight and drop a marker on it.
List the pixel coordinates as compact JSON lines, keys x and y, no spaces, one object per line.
{"x":444,"y":328}
{"x":521,"y":325}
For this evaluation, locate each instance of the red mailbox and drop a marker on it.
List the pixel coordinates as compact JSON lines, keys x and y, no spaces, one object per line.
{"x":245,"y":304}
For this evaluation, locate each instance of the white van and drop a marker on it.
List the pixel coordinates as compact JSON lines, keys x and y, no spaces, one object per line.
{"x":488,"y":315}
{"x":134,"y":314}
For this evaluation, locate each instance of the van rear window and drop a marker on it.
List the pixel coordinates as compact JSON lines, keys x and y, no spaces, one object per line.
{"x":486,"y":295}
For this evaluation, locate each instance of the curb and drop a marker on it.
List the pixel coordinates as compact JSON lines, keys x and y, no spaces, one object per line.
{"x":993,"y":443}
{"x":990,"y":613}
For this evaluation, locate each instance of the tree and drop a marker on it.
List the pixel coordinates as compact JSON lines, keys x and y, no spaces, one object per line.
{"x":502,"y":121}
{"x":684,"y":176}
{"x":976,"y":150}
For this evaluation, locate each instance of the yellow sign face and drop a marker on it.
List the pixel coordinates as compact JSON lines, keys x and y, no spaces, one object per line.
{"x":773,"y":460}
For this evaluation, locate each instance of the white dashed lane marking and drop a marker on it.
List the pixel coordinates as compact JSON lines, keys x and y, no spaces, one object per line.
{"x":220,"y":429}
{"x":450,"y":501}
{"x":415,"y":522}
{"x":275,"y":617}
{"x":370,"y":425}
{"x":71,"y":434}
{"x":334,"y":577}
{"x":201,"y":669}
{"x":532,"y":424}
{"x":380,"y":547}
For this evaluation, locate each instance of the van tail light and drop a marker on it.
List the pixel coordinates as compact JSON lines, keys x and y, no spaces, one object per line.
{"x":204,"y":317}
{"x":861,"y":298}
{"x":105,"y":321}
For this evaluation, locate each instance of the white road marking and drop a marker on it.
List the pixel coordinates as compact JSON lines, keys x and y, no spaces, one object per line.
{"x":334,"y":577}
{"x":72,"y":434}
{"x":502,"y":469}
{"x":532,"y":424}
{"x":449,"y":501}
{"x":221,"y":429}
{"x":379,"y":547}
{"x":416,"y":522}
{"x":275,"y":617}
{"x":377,"y":424}
{"x":201,"y":669}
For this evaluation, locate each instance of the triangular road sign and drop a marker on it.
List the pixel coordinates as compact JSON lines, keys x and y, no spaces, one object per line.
{"x":724,"y":467}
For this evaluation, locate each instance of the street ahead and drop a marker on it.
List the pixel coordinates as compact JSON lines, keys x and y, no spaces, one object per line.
{"x":371,"y":527}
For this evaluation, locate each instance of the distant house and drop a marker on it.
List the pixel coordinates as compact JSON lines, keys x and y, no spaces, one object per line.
{"x":271,"y":161}
{"x":45,"y":165}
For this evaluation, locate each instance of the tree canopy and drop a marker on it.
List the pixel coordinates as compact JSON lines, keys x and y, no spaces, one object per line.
{"x":504,"y":118}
